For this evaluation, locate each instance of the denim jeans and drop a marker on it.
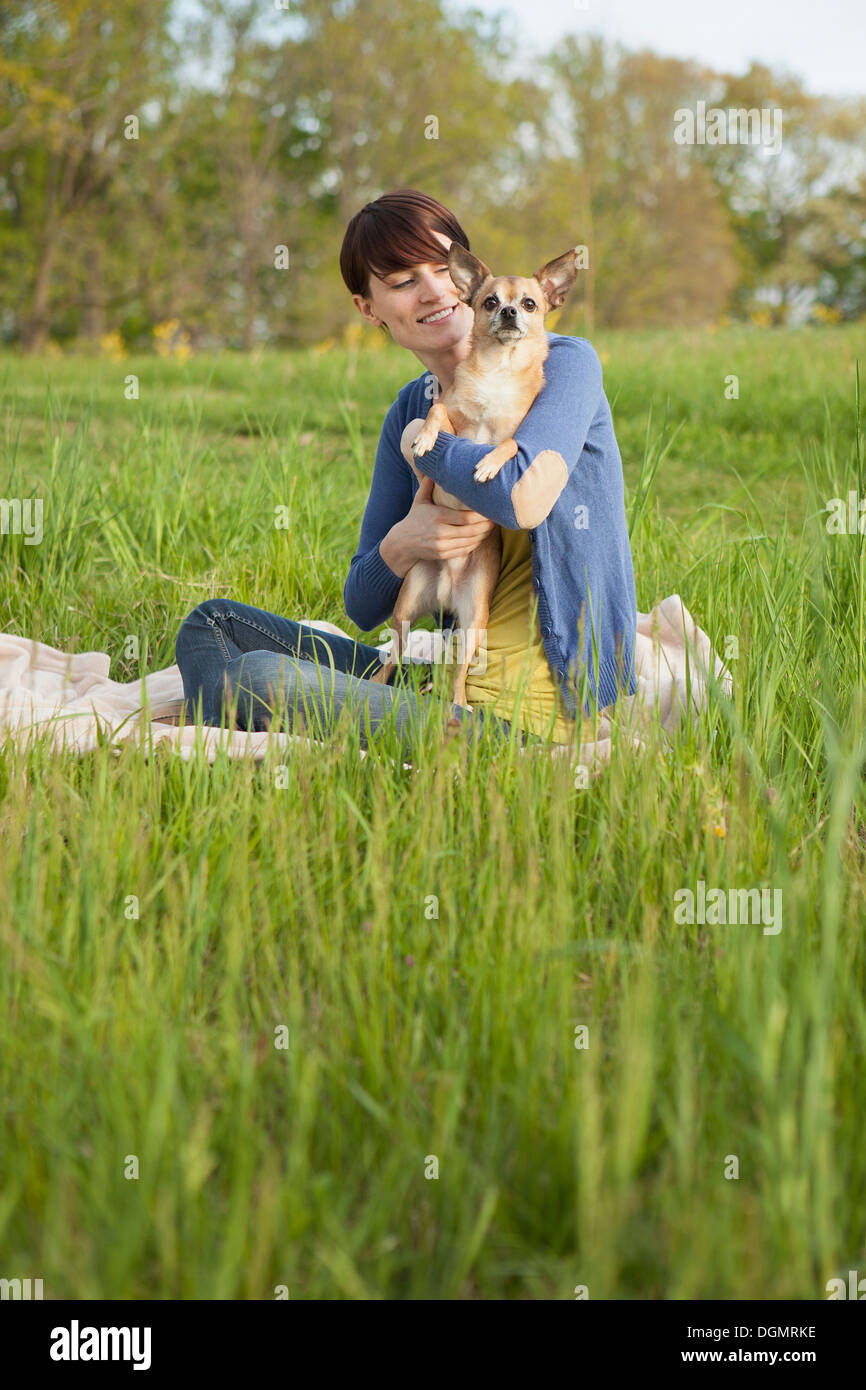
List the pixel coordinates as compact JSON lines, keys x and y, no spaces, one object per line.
{"x":229,"y":652}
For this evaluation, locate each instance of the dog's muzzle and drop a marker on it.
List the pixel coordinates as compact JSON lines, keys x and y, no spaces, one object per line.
{"x":510,"y":324}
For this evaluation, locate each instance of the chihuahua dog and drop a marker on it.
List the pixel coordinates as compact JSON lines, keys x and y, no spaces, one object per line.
{"x":494,"y":386}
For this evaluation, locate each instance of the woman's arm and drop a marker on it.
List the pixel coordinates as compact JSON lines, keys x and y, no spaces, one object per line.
{"x":393,"y":553}
{"x":402,"y":525}
{"x":371,"y":587}
{"x":549,"y":441}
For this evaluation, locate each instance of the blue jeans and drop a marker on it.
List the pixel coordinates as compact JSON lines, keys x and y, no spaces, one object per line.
{"x":229,"y":652}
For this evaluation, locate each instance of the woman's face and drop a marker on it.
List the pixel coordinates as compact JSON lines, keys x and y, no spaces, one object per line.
{"x":405,"y":300}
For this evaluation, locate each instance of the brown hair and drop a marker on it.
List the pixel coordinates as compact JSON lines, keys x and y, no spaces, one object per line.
{"x":392,"y":233}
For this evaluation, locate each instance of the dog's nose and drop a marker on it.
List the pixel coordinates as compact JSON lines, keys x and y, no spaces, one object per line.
{"x":508,"y":311}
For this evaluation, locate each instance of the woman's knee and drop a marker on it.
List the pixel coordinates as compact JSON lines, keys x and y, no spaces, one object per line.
{"x":201,"y":617}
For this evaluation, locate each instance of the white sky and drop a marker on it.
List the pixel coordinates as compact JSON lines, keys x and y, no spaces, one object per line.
{"x":823,"y":42}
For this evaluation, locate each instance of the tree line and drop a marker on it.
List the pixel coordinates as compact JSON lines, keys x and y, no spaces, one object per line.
{"x":161,"y":162}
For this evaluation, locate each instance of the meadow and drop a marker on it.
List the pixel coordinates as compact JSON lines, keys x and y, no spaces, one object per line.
{"x":409,"y":1034}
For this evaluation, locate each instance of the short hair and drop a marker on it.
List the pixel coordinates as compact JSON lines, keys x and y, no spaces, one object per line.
{"x":392,"y":233}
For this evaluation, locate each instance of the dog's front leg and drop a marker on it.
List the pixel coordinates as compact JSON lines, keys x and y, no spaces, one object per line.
{"x":490,"y":465}
{"x":437,"y":419}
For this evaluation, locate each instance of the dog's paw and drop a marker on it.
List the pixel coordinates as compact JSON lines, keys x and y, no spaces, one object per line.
{"x":484,"y":471}
{"x":424,"y":442}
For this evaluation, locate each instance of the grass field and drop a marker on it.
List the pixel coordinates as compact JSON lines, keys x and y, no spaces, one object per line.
{"x":432,"y":943}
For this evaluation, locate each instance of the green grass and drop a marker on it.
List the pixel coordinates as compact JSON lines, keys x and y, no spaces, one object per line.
{"x":430,"y":941}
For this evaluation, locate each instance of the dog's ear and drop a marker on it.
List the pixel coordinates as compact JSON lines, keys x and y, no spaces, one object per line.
{"x":467,"y":272}
{"x":557,"y":277}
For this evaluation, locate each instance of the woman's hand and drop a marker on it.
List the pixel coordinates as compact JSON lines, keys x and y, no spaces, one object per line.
{"x":431,"y":532}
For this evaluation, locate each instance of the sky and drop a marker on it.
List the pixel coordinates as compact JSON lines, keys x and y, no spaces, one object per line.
{"x":823,"y":42}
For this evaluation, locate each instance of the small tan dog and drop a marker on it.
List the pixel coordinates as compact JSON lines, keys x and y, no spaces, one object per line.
{"x":493,"y":389}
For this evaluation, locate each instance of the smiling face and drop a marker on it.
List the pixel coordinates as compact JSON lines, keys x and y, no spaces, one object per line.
{"x":419,"y":305}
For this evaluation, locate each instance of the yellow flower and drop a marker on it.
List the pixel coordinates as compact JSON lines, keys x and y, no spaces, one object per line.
{"x":111,"y":345}
{"x":825,"y":313}
{"x":170,"y":342}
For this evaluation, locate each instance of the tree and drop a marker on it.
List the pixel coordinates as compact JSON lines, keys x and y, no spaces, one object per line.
{"x":798,"y":212}
{"x":660,"y":246}
{"x":72,"y":73}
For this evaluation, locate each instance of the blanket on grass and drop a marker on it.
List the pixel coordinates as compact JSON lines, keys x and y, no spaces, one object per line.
{"x":70,"y":697}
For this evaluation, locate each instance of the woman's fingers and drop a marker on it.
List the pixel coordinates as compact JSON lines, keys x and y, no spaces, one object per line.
{"x":468,"y":538}
{"x":469,"y":519}
{"x":452,"y":550}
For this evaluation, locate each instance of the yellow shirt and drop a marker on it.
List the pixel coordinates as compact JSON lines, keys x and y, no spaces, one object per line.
{"x":516,"y":663}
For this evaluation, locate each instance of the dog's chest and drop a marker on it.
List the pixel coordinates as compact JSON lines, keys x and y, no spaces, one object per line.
{"x":489,"y":407}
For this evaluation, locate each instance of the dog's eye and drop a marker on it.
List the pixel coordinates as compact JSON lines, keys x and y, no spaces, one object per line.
{"x":491,"y":302}
{"x":530,"y":306}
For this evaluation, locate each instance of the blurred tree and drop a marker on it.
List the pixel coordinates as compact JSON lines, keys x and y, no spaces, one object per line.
{"x":798,"y":212}
{"x":241,"y":131}
{"x":71,"y":75}
{"x":660,"y":245}
{"x":268,"y":126}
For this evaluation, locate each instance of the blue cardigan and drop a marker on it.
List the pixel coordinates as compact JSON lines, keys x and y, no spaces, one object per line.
{"x":564,"y":486}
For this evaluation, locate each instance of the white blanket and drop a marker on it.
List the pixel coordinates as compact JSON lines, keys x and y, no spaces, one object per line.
{"x":72,"y":699}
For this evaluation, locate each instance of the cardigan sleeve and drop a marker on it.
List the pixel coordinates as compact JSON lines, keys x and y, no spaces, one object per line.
{"x":371,"y":588}
{"x":550,"y":440}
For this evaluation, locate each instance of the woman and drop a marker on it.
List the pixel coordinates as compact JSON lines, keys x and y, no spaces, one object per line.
{"x":559,"y":503}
